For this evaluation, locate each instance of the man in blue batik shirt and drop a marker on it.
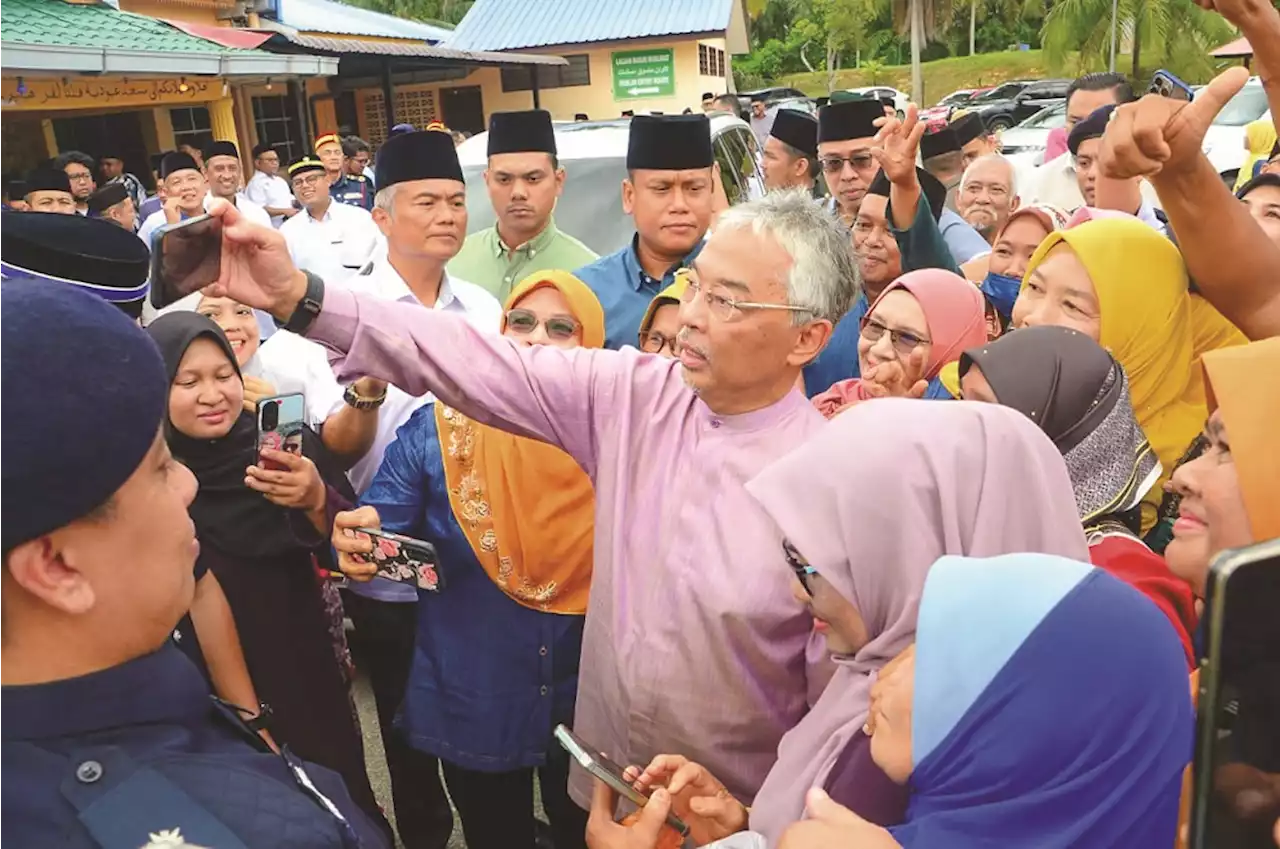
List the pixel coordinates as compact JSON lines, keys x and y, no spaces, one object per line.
{"x":668,"y":192}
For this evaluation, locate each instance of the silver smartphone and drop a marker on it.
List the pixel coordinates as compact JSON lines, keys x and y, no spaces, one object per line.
{"x":1237,"y":757}
{"x":598,"y":764}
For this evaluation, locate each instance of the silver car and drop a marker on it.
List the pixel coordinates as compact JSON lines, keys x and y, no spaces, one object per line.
{"x":594,"y":156}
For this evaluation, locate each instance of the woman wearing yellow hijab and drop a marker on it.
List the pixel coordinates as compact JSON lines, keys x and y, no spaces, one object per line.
{"x":495,"y":664}
{"x":1259,"y":139}
{"x":1125,"y":286}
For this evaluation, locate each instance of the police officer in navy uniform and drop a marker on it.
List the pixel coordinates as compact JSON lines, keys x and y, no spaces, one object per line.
{"x":110,"y":736}
{"x":351,"y":189}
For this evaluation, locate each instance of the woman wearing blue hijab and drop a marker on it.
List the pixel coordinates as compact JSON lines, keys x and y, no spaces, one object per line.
{"x":1044,"y":704}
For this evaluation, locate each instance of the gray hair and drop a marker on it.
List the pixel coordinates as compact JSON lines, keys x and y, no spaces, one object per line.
{"x":824,"y":277}
{"x":385,"y":198}
{"x":987,"y":160}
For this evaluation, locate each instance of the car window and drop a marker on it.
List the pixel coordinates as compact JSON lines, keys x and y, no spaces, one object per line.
{"x":1049,"y":118}
{"x":732,"y":154}
{"x":1000,"y":92}
{"x":1247,"y":106}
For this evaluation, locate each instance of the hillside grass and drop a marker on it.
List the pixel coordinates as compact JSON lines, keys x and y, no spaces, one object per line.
{"x":943,"y":76}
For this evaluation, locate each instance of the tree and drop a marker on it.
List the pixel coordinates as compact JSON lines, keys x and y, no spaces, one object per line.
{"x":1173,"y":34}
{"x":921,"y":19}
{"x":448,"y":12}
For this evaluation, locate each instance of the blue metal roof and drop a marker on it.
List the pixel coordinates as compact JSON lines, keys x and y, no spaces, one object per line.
{"x":517,"y":24}
{"x":330,"y":16}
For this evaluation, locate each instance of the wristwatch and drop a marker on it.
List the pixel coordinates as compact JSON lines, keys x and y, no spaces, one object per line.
{"x":308,"y":308}
{"x":355,"y":399}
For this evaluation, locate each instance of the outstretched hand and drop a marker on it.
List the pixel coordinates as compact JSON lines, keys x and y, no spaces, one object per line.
{"x":897,"y":146}
{"x":896,"y":379}
{"x":831,"y":825}
{"x":256,"y":267}
{"x":1159,"y":135}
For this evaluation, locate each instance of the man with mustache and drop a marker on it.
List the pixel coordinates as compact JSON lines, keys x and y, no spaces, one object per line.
{"x":185,"y":189}
{"x":669,"y":192}
{"x":524,"y":179}
{"x":988,"y":194}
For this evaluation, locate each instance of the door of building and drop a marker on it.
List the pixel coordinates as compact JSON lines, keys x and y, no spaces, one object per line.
{"x":116,"y":133}
{"x":463,"y":108}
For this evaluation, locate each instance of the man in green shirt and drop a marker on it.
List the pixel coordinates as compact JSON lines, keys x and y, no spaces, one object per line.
{"x":524,"y":179}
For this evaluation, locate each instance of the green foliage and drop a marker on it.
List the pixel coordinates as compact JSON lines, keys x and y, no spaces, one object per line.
{"x":448,"y":12}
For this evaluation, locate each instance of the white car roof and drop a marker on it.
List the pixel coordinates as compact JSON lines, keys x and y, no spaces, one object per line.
{"x":584,"y":139}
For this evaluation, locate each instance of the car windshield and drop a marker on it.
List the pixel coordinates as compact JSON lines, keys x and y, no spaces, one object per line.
{"x":1049,"y":118}
{"x":590,"y":208}
{"x":1245,"y":107}
{"x":955,"y":98}
{"x":999,"y":92}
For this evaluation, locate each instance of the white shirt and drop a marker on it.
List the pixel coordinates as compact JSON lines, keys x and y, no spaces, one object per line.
{"x":1055,"y":182}
{"x":481,"y":310}
{"x":267,"y":190}
{"x":248,"y":208}
{"x":334,"y":247}
{"x":291,"y":363}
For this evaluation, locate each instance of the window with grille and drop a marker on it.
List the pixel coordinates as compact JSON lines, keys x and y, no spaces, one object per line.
{"x":710,"y":61}
{"x":276,"y":120}
{"x":577,"y":72}
{"x":191,"y":125}
{"x":417,"y":107}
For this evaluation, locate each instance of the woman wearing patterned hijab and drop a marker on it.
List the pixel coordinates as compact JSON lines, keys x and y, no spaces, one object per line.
{"x":1079,"y":395}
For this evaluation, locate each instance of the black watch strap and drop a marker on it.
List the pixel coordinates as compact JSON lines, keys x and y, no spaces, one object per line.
{"x":309,"y":307}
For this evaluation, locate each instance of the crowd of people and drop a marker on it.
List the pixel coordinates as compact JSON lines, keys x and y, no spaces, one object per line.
{"x":875,"y":511}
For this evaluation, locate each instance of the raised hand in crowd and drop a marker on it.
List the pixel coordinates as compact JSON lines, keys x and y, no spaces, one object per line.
{"x":893,"y":379}
{"x":897,"y":148}
{"x":256,"y":267}
{"x":697,"y":796}
{"x":351,"y":546}
{"x":1259,"y":22}
{"x":831,"y":825}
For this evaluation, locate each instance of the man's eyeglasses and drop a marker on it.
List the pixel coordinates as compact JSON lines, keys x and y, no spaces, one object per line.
{"x":307,"y":180}
{"x":804,"y":572}
{"x":903,"y":342}
{"x":79,"y":176}
{"x":722,"y":306}
{"x":859,"y":161}
{"x":654,"y":342}
{"x":525,"y":322}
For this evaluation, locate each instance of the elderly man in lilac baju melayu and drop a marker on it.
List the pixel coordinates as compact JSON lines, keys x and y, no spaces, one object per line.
{"x":693,"y":642}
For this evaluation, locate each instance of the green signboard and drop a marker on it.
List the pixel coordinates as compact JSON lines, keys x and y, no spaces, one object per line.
{"x":643,"y":73}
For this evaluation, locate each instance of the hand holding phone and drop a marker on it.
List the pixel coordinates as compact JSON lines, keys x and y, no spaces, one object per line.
{"x":366,"y":552}
{"x":185,"y":257}
{"x":281,"y":420}
{"x":599,"y":765}
{"x":1167,"y":85}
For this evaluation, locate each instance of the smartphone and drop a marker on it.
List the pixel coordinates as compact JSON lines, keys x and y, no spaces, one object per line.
{"x":1238,"y":717}
{"x":1166,"y":84}
{"x":404,"y":559}
{"x":280,"y":422}
{"x":185,"y":257}
{"x":598,"y":764}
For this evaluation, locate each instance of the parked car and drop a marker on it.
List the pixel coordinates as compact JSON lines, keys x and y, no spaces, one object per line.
{"x":594,"y":156}
{"x":938,"y":116}
{"x":1224,"y":142}
{"x":880,"y":92}
{"x":797,"y":104}
{"x":768,"y":95}
{"x":1032,"y":135}
{"x":1001,"y":111}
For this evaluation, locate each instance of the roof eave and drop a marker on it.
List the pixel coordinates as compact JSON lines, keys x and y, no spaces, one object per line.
{"x":57,"y":58}
{"x":340,"y":46}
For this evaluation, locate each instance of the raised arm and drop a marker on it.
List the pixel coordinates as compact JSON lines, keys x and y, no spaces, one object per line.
{"x":1233,"y":262}
{"x":1259,"y":22}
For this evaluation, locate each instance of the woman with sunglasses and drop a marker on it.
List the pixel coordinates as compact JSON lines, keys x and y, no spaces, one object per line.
{"x":943,"y":479}
{"x":921,"y":321}
{"x":495,"y":664}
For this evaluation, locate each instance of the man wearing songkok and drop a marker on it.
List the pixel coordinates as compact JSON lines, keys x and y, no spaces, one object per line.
{"x":525,"y":180}
{"x":111,"y":737}
{"x":185,"y":190}
{"x":1084,"y":143}
{"x":332,"y":239}
{"x":669,"y":193}
{"x":267,"y":188}
{"x":222,"y":172}
{"x":973,"y":137}
{"x":49,"y":190}
{"x":846,"y":134}
{"x":345,"y":188}
{"x":941,"y":156}
{"x":790,"y":156}
{"x":113,"y":203}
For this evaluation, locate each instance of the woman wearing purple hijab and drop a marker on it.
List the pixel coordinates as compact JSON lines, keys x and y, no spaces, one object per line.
{"x":866,"y":507}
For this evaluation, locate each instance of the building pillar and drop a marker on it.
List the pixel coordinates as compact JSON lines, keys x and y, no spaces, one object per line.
{"x":50,"y":137}
{"x":164,"y":129}
{"x":222,"y":118}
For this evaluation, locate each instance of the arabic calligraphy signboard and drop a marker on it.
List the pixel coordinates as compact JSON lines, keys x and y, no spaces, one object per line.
{"x":28,"y":94}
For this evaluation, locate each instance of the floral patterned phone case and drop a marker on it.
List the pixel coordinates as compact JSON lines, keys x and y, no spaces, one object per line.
{"x":404,"y":559}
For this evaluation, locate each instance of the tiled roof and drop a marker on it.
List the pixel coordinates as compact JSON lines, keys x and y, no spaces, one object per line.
{"x":100,"y":27}
{"x":330,"y":16}
{"x":517,"y":24}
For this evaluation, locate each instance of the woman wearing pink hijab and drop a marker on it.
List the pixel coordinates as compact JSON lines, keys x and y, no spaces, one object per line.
{"x":865,"y":508}
{"x":921,"y":321}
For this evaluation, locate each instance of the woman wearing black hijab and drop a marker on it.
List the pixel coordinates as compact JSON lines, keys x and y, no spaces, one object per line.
{"x":1079,"y":396}
{"x":261,"y":546}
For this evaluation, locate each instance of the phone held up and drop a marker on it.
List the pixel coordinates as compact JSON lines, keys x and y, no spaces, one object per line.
{"x":599,"y":765}
{"x":404,"y":559}
{"x":280,"y":423}
{"x":185,"y":257}
{"x":1166,"y":84}
{"x":1237,"y":755}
